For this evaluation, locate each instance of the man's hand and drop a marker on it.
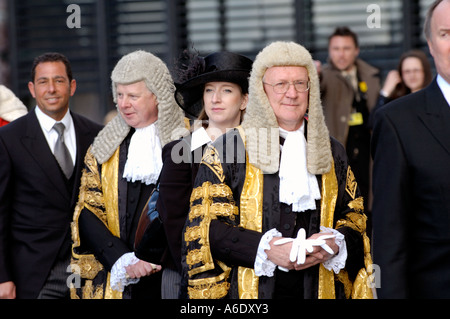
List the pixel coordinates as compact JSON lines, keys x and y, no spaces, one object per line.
{"x":319,"y":254}
{"x":7,"y":290}
{"x":142,"y":269}
{"x":280,"y":254}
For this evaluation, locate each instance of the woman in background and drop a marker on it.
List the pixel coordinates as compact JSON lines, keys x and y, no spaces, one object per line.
{"x":413,"y":73}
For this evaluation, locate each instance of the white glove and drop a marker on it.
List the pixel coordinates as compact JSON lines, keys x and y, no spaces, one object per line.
{"x":301,"y":245}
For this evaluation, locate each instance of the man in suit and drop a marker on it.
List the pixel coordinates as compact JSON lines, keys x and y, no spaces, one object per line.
{"x":411,"y":180}
{"x":350,"y":87}
{"x":37,"y":193}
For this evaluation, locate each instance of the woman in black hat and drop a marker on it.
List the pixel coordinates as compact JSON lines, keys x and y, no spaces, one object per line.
{"x":213,"y":91}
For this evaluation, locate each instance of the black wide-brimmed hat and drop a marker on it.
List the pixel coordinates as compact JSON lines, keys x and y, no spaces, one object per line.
{"x":215,"y":67}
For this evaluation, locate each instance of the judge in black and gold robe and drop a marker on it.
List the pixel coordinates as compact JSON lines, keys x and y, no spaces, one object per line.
{"x":121,"y":169}
{"x":239,"y":207}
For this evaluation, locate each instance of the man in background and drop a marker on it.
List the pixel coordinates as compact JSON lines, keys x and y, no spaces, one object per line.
{"x":350,"y":88}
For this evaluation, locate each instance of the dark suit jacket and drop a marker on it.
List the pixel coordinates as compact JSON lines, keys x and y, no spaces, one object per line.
{"x":36,"y":203}
{"x":411,"y":185}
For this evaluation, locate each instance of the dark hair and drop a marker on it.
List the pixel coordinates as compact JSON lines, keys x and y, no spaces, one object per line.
{"x":401,"y":89}
{"x":344,"y":32}
{"x":51,"y":57}
{"x":427,"y":24}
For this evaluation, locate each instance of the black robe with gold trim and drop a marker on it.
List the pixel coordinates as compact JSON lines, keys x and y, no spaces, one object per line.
{"x":233,"y":204}
{"x":104,"y":227}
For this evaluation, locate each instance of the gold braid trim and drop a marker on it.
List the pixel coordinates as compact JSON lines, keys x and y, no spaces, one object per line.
{"x":202,"y":255}
{"x":213,"y":190}
{"x":212,"y":160}
{"x":92,"y":197}
{"x":329,"y":194}
{"x":357,"y":205}
{"x":355,"y":221}
{"x":207,"y":211}
{"x":110,"y":181}
{"x":360,"y":288}
{"x":193,"y":233}
{"x":87,"y":265}
{"x":216,"y":209}
{"x":209,"y":291}
{"x":251,"y":215}
{"x":351,"y":185}
{"x":89,"y":293}
{"x":342,"y":276}
{"x":212,"y":287}
{"x":196,"y":256}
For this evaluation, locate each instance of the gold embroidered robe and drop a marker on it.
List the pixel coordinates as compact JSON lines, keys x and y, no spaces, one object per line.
{"x":233,"y":193}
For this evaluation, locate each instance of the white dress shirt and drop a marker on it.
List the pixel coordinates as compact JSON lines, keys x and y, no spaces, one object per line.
{"x":445,"y":88}
{"x":46,"y":123}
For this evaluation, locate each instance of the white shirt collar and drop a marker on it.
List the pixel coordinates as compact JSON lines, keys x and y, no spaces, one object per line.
{"x":47,"y":122}
{"x":445,"y":88}
{"x":199,"y":138}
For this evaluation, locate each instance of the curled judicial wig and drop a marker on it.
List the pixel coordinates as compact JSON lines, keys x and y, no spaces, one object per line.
{"x":135,"y":67}
{"x":11,"y":107}
{"x":260,"y":124}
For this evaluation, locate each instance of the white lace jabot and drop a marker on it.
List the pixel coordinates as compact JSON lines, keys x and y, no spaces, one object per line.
{"x":144,"y":160}
{"x":297,"y":186}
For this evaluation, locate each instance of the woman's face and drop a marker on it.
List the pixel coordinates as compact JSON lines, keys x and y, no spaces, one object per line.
{"x":413,"y":74}
{"x":224,"y":103}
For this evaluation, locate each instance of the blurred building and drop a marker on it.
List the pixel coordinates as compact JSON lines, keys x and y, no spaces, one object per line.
{"x":108,"y":29}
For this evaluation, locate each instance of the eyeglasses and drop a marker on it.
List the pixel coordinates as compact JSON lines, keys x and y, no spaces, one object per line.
{"x":411,"y":71}
{"x":283,"y":87}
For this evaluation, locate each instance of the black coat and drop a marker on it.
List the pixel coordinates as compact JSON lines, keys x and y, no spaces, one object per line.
{"x":97,"y":239}
{"x":237,"y":246}
{"x":176,"y":180}
{"x":36,"y":202}
{"x":411,"y":185}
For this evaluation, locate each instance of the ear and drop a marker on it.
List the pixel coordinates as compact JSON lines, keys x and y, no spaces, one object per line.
{"x":244,"y":102}
{"x":430,"y":47}
{"x":73,"y":87}
{"x":31,"y":89}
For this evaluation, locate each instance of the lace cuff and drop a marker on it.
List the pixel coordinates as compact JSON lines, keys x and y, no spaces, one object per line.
{"x":119,"y":277}
{"x":337,"y":262}
{"x":263,"y":266}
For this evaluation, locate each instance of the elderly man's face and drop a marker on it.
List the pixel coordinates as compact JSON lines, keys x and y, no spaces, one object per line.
{"x":439,"y":42}
{"x":289,"y":107}
{"x":137,"y":105}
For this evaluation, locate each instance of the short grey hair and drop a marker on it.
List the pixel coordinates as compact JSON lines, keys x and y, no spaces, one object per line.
{"x":427,"y":24}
